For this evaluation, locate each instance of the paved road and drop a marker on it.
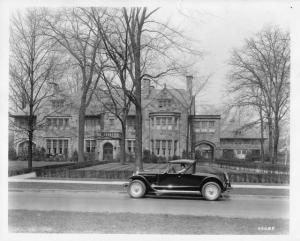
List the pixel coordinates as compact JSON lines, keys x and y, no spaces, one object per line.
{"x":246,"y":206}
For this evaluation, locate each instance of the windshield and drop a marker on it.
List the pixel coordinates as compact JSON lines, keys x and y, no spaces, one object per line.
{"x":176,"y":168}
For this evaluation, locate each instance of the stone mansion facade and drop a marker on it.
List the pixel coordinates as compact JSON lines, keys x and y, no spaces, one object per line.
{"x":170,"y":125}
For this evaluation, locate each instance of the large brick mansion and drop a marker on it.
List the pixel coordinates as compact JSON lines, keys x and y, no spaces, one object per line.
{"x":166,"y":114}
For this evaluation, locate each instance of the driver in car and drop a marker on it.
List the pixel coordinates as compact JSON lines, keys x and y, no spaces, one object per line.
{"x":183,"y":168}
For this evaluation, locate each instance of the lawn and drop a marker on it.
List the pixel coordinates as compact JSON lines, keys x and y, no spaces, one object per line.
{"x":22,"y":221}
{"x":18,"y":165}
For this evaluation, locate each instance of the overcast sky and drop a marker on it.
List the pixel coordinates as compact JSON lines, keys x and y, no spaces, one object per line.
{"x":218,"y":27}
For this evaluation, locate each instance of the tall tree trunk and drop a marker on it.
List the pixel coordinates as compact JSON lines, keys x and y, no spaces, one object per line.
{"x":276,"y":139}
{"x":122,"y":144}
{"x":270,"y":133}
{"x":81,"y":128}
{"x":138,"y":134}
{"x":262,"y":151}
{"x":30,"y":152}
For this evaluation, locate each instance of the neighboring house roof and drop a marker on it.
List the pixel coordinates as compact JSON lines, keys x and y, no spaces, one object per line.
{"x":241,"y":135}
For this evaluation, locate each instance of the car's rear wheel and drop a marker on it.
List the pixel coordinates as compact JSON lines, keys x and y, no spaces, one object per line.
{"x":211,"y":191}
{"x":136,"y":189}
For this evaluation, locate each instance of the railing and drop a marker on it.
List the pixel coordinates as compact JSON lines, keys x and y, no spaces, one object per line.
{"x":109,"y":134}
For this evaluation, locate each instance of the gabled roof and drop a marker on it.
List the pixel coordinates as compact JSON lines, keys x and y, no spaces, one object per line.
{"x":178,"y":94}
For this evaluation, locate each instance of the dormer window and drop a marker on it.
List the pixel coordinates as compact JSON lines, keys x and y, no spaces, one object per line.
{"x":164,"y":103}
{"x":57,"y":104}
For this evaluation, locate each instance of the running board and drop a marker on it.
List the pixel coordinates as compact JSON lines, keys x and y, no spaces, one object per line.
{"x":176,"y":191}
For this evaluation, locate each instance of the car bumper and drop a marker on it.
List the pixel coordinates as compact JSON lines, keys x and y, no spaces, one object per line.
{"x":227,"y":186}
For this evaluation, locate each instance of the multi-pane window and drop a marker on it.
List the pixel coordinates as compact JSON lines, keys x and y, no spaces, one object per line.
{"x":157,"y":146}
{"x":163,"y":146}
{"x":170,"y":123}
{"x":158,"y":122}
{"x":175,"y":147}
{"x":131,"y":146}
{"x":111,"y":122}
{"x":92,"y":123}
{"x":211,"y":126}
{"x":90,"y":145}
{"x":164,"y":103}
{"x":169,"y":146}
{"x":57,"y":122}
{"x":48,"y":146}
{"x":54,"y":146}
{"x":60,"y":146}
{"x":165,"y":122}
{"x":66,"y":147}
{"x":57,"y":104}
{"x":131,"y":123}
{"x":57,"y":146}
{"x":204,"y":126}
{"x":152,"y":146}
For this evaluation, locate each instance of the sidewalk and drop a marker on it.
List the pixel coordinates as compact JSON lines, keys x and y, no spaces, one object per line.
{"x":84,"y":185}
{"x":237,"y":185}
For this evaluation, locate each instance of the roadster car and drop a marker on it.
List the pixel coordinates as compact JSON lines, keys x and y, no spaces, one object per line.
{"x":181,"y":176}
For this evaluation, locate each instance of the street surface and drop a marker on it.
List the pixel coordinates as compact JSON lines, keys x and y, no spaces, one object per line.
{"x":117,"y":201}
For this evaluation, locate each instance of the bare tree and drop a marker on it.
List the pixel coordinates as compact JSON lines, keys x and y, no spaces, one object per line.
{"x":33,"y":65}
{"x":151,"y":49}
{"x":69,"y":27}
{"x":260,"y":76}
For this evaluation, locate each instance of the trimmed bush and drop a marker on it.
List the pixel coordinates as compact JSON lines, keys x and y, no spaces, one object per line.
{"x":12,"y":154}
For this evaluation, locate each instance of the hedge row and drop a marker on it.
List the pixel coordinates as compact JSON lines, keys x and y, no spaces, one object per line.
{"x":125,"y":174}
{"x":260,"y":166}
{"x":54,"y":168}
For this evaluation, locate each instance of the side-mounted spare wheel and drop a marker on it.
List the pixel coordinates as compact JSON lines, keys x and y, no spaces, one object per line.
{"x":211,"y":191}
{"x":136,"y":189}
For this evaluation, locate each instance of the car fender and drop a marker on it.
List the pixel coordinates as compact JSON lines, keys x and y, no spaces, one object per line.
{"x":212,"y":177}
{"x":141,"y":178}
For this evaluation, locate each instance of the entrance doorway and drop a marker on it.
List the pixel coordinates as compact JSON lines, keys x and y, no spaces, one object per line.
{"x":107,"y":152}
{"x":204,"y":152}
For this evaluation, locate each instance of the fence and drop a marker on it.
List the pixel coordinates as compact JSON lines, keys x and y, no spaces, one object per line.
{"x":244,"y":166}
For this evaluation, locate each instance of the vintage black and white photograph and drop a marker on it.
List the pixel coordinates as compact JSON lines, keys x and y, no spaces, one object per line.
{"x":170,"y":119}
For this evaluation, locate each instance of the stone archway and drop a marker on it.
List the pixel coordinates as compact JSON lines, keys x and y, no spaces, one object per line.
{"x":23,"y":147}
{"x":107,"y":152}
{"x":205,"y":151}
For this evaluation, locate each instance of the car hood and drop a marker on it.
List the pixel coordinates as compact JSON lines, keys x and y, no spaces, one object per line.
{"x":148,"y":172}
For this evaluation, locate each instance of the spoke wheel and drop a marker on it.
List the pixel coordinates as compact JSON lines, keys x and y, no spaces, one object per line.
{"x":136,"y":189}
{"x":211,"y":191}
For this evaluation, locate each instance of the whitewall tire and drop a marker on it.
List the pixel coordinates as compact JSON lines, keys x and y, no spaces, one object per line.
{"x":211,"y":191}
{"x":136,"y":189}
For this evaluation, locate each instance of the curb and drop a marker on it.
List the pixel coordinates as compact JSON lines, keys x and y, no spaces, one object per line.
{"x":23,"y":176}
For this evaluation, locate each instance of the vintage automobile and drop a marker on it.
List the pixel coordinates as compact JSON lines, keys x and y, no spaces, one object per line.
{"x":180,"y":177}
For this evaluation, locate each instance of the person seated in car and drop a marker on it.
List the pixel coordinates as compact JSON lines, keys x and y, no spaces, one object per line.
{"x":183,"y":168}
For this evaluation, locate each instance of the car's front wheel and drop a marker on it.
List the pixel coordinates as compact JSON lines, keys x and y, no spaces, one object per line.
{"x":136,"y":189}
{"x":211,"y":191}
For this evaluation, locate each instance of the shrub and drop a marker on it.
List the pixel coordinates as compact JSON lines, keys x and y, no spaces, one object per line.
{"x":175,"y":157}
{"x":89,"y":156}
{"x":252,"y":157}
{"x":184,"y":154}
{"x":74,"y":157}
{"x":12,"y":154}
{"x":129,"y":157}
